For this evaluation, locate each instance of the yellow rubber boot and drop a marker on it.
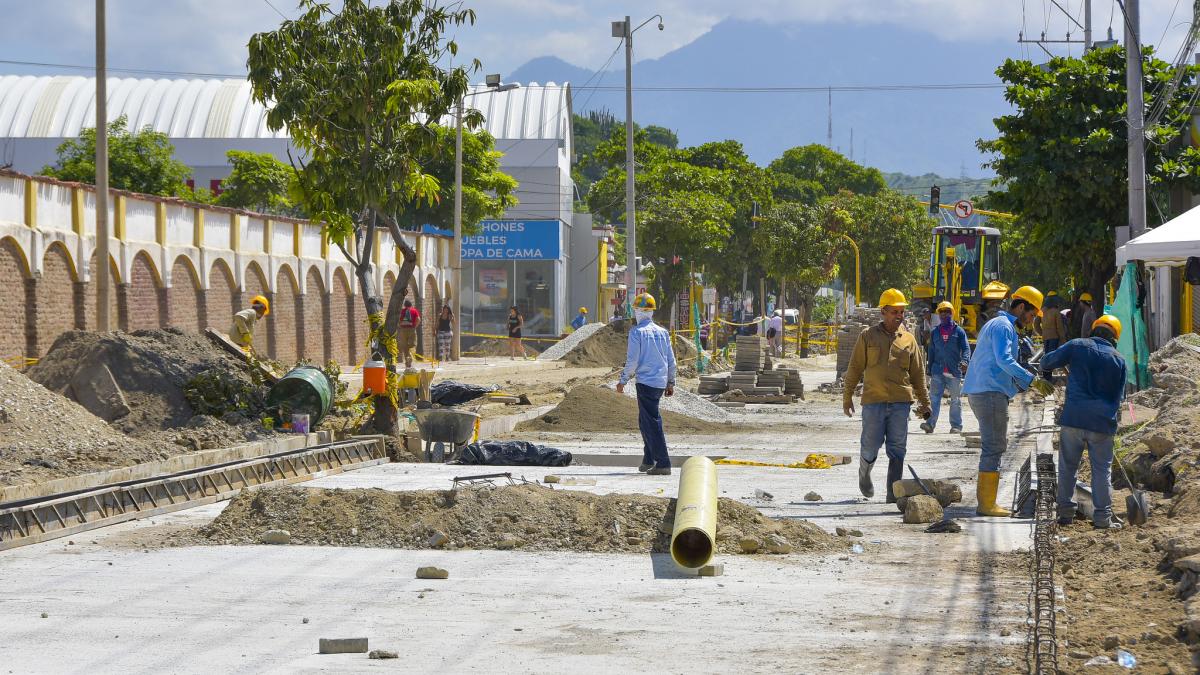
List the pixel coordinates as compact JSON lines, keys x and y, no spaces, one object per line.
{"x":985,"y":494}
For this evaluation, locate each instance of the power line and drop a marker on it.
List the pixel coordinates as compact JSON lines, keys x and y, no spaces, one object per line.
{"x":807,"y":89}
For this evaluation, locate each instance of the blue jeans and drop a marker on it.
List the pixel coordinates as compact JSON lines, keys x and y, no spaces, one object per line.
{"x":1072,"y":441}
{"x":654,"y":441}
{"x":991,"y":409}
{"x":942,"y":382}
{"x":884,"y":422}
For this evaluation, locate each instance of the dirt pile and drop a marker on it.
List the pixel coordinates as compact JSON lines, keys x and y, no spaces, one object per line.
{"x":524,"y":517}
{"x":607,"y":345}
{"x":1118,"y":597}
{"x":1162,"y":452}
{"x":44,"y":435}
{"x":591,"y":408}
{"x":140,"y":378}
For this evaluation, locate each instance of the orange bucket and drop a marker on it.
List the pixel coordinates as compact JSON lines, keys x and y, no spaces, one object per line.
{"x":374,"y":377}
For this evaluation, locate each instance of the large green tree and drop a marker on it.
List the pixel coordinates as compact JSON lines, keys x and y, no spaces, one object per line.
{"x":142,"y":160}
{"x":1062,"y":156}
{"x":808,"y":172}
{"x":797,"y":246}
{"x":259,"y":182}
{"x":359,"y":89}
{"x":892,"y":232}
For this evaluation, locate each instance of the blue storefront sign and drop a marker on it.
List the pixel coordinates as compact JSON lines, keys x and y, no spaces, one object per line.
{"x":514,"y":240}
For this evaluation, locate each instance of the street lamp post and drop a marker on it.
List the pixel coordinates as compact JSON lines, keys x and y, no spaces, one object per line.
{"x":493,"y":83}
{"x":624,"y":30}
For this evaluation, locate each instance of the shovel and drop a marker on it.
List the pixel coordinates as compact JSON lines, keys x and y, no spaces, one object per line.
{"x":1136,"y":506}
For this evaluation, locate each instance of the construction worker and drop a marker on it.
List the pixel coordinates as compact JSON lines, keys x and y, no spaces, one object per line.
{"x":651,"y":360}
{"x":410,"y":320}
{"x":1051,"y":325}
{"x":580,"y":320}
{"x":994,"y":376}
{"x":949,"y":353}
{"x":244,"y":321}
{"x":1088,"y":314}
{"x":888,"y":360}
{"x":1095,"y":388}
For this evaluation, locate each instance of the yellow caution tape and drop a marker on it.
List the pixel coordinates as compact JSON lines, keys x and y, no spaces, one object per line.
{"x":813,"y":461}
{"x":505,"y":337}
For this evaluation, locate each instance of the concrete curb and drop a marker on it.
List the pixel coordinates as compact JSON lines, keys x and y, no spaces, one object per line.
{"x":506,"y":423}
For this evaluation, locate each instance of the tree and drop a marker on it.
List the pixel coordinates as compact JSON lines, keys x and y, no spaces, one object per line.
{"x":359,"y":90}
{"x":1062,"y":155}
{"x":796,"y":244}
{"x":487,"y":191}
{"x":807,"y":172}
{"x":892,"y":232}
{"x":138,"y":161}
{"x":258,"y":182}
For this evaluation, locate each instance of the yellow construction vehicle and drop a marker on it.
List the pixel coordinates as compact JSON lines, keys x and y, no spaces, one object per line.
{"x":964,"y":269}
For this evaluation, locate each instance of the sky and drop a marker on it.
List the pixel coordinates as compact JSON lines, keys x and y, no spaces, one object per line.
{"x":209,"y":36}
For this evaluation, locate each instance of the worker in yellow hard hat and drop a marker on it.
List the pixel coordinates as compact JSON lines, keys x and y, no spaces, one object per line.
{"x":948,"y":354}
{"x":1095,"y":388}
{"x":888,"y":361}
{"x":994,"y":377}
{"x":1087,"y":315}
{"x":650,"y":359}
{"x":244,"y":321}
{"x":580,"y":319}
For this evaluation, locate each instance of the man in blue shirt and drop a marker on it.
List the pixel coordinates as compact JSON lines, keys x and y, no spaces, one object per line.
{"x":652,"y":361}
{"x":949,"y":353}
{"x":1095,"y":388}
{"x":581,"y":320}
{"x":993,"y":377}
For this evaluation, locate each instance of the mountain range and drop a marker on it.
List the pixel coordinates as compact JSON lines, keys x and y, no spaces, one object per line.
{"x":911,"y":131}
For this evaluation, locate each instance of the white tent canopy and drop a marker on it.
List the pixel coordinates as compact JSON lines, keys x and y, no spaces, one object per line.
{"x":1171,"y":243}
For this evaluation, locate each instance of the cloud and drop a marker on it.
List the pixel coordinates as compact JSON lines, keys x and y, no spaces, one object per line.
{"x":211,"y":35}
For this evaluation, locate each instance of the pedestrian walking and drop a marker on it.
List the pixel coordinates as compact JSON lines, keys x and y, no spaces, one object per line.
{"x":1095,"y":388}
{"x":410,"y":320}
{"x":888,"y":361}
{"x":949,"y":353}
{"x":650,"y":359}
{"x":775,"y":333}
{"x":515,"y":323}
{"x":445,"y":333}
{"x":994,"y":376}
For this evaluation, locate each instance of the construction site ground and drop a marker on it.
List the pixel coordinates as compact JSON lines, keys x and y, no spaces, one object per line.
{"x":131,"y":598}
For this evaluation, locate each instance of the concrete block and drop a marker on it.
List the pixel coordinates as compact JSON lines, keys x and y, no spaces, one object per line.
{"x":922,"y":509}
{"x":343,"y":645}
{"x":94,"y":388}
{"x":438,"y":539}
{"x":382,"y":654}
{"x":275,"y":537}
{"x":713,"y":570}
{"x":431,"y":572}
{"x":551,"y":478}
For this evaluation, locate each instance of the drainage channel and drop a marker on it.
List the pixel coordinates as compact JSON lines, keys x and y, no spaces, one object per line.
{"x":39,"y":519}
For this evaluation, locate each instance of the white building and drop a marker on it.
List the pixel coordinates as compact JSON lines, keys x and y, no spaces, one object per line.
{"x":205,"y":118}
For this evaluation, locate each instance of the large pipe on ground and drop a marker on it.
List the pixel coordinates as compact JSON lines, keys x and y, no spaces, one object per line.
{"x":694,"y":537}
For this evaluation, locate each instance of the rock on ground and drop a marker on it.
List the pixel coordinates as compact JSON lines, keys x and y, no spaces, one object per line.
{"x":922,"y":509}
{"x":947,"y":493}
{"x":431,"y":572}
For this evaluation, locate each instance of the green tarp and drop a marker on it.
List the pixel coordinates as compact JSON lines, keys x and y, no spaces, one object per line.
{"x":1132,"y":345}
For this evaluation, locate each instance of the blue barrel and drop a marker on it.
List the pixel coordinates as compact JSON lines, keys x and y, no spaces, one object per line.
{"x":304,"y":390}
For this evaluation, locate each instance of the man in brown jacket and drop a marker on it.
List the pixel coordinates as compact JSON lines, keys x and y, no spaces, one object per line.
{"x":888,"y":361}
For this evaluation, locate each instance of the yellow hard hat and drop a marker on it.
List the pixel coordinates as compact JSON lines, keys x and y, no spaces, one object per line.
{"x":1085,"y":297}
{"x":260,"y":300}
{"x":1031,"y":295}
{"x":892,"y":298}
{"x":1111,"y":322}
{"x":995,"y":290}
{"x":644,"y":301}
{"x":583,"y":310}
{"x":945,"y":305}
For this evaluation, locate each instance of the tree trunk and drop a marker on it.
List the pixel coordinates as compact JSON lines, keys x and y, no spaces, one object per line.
{"x":805,"y":306}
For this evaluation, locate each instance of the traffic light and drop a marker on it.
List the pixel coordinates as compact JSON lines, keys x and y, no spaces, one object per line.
{"x":935,"y":195}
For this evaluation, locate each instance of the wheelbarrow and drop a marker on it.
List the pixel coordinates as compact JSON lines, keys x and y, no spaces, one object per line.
{"x":440,"y":427}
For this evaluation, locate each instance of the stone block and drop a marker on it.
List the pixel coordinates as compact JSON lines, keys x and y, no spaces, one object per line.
{"x":343,"y":645}
{"x":947,"y":493}
{"x":922,"y":509}
{"x":713,"y":570}
{"x":431,"y":572}
{"x":276,"y":537}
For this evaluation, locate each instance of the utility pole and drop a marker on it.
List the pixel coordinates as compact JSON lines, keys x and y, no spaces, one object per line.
{"x":102,"y":255}
{"x":1136,"y":119}
{"x":1087,"y":26}
{"x":829,"y":130}
{"x":630,"y":209}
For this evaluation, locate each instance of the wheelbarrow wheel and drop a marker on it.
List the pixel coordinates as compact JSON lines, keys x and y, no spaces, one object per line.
{"x":439,"y":452}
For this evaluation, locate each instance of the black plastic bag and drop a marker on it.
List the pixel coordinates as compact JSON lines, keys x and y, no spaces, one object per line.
{"x":512,"y":453}
{"x":453,"y":392}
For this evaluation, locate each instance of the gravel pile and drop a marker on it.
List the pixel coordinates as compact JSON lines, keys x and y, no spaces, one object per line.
{"x":525,"y":517}
{"x":565,"y":345}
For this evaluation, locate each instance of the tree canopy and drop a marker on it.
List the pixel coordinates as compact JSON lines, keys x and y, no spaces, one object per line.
{"x":808,"y":172}
{"x":258,"y":182}
{"x":1062,"y":155}
{"x":893,"y":234}
{"x":141,"y":160}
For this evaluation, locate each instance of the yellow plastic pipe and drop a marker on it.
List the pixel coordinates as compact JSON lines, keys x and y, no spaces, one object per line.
{"x":694,"y":538}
